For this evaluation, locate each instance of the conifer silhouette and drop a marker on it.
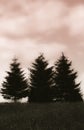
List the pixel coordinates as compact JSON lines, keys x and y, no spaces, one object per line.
{"x":15,"y":85}
{"x":40,"y":81}
{"x":66,"y":88}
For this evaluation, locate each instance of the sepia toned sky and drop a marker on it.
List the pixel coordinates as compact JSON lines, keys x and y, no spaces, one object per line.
{"x":28,"y":27}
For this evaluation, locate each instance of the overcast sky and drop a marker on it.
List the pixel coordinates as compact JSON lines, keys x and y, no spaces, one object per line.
{"x":28,"y":27}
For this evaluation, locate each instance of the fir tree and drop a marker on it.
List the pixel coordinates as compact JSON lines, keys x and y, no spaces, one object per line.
{"x":15,"y":86}
{"x":40,"y":81}
{"x":66,"y":88}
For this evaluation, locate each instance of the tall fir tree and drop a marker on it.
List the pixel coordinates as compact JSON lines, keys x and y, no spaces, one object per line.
{"x":40,"y":81}
{"x":15,"y":86}
{"x":66,"y":88}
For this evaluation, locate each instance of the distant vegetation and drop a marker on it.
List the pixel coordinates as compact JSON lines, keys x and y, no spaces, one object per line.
{"x":46,"y":84}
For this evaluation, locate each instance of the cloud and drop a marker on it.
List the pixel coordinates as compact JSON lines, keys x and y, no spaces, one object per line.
{"x":41,"y":18}
{"x":75,"y":20}
{"x":54,"y":20}
{"x":72,"y":3}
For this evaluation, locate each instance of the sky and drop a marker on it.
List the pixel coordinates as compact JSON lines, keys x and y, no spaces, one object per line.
{"x":29,"y":27}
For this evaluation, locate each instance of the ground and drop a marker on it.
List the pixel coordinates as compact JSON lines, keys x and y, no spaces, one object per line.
{"x":48,"y":116}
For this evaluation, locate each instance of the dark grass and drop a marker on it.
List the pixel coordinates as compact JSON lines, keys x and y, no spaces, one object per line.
{"x":53,"y":116}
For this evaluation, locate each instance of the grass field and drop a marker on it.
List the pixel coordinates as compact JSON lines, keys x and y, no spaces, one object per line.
{"x":56,"y":116}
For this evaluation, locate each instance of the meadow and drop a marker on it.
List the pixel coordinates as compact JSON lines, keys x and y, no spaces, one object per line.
{"x":47,"y":116}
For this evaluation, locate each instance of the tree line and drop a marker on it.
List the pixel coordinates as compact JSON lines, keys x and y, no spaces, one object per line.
{"x":45,"y":84}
